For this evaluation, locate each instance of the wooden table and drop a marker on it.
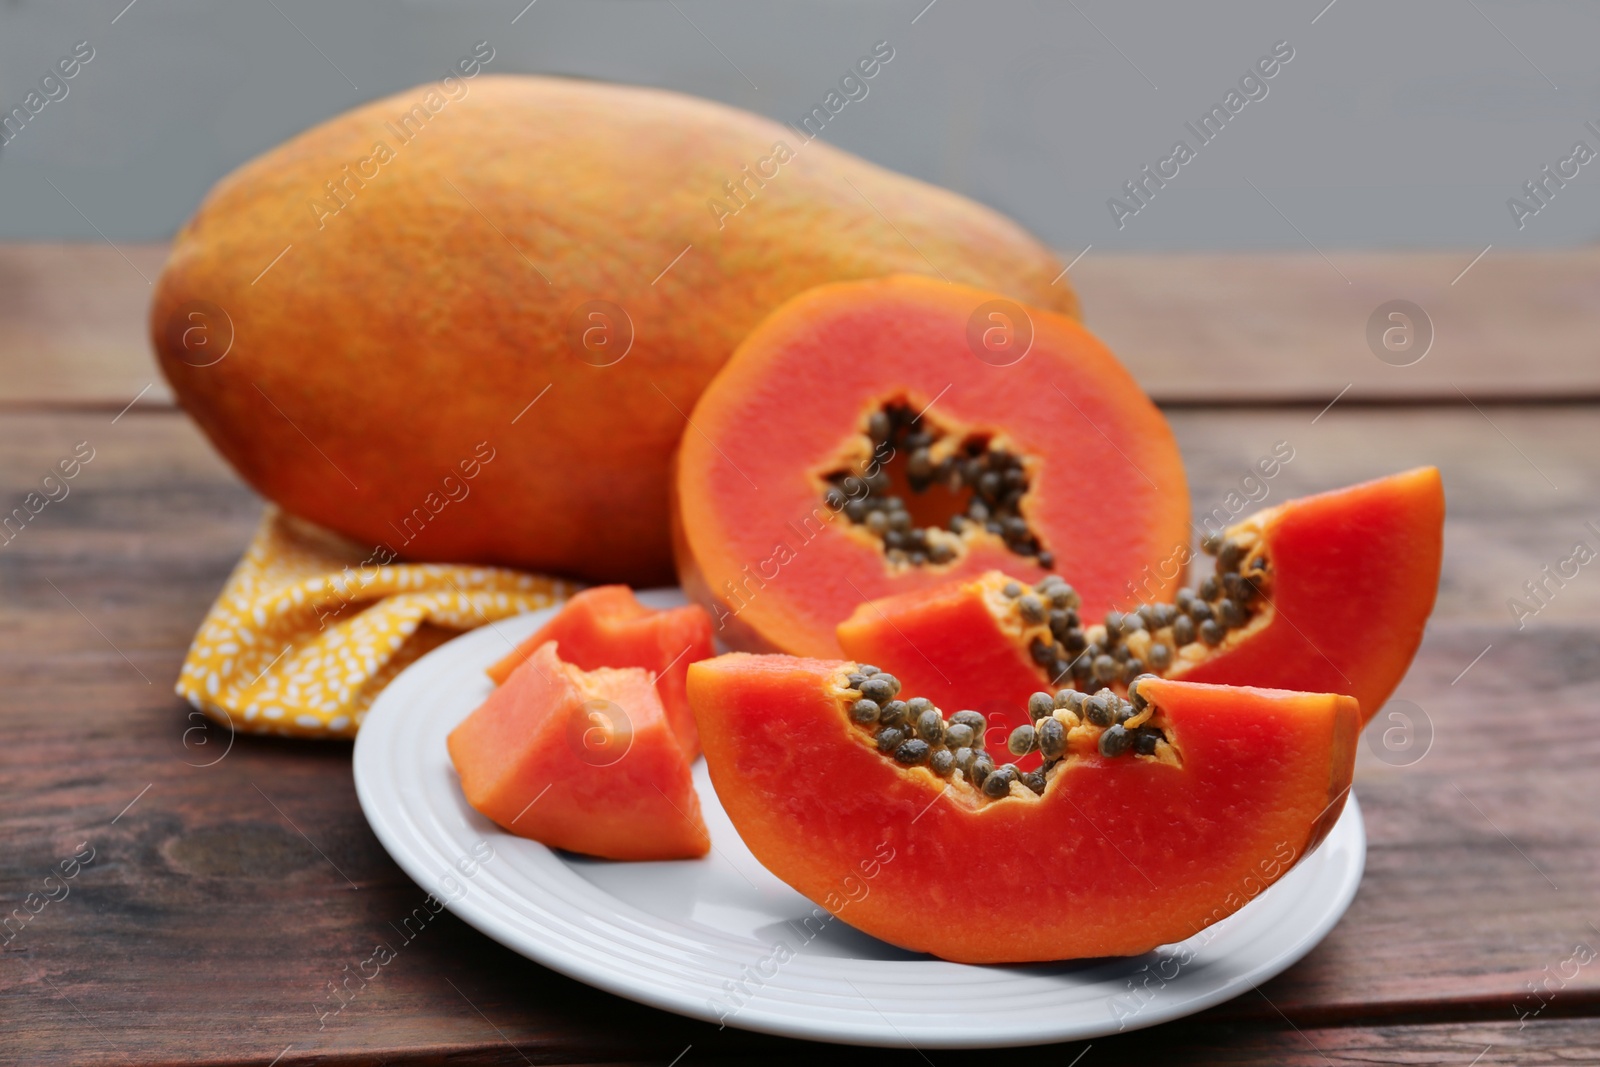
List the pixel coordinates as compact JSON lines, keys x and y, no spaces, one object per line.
{"x":217,"y":908}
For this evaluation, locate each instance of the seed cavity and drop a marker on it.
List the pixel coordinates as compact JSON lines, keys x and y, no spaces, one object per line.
{"x":988,"y":483}
{"x":1155,"y":638}
{"x":915,"y":732}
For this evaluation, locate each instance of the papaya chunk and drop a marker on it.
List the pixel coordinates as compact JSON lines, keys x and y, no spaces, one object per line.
{"x":585,"y":761}
{"x":606,"y":626}
{"x":1153,"y":818}
{"x":1327,"y":593}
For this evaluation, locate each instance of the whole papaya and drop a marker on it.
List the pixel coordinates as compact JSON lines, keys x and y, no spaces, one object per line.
{"x":468,"y":322}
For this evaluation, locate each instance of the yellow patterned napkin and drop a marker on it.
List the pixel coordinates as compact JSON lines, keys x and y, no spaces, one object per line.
{"x":310,"y":627}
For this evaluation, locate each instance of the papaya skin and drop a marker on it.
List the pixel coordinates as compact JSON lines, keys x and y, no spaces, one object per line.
{"x":1117,"y":857}
{"x":395,"y":341}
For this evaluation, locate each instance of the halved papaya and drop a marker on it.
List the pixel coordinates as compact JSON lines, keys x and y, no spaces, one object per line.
{"x":606,"y":626}
{"x":1152,"y":818}
{"x":1327,"y":593}
{"x":581,"y":760}
{"x":878,"y":436}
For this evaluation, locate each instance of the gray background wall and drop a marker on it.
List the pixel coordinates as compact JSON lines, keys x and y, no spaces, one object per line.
{"x":1395,"y":125}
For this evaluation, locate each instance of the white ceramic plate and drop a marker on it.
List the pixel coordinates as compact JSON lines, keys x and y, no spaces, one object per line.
{"x":702,"y":937}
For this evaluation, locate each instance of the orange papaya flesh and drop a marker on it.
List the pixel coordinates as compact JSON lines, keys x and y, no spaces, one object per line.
{"x":868,"y":398}
{"x":585,"y":761}
{"x":606,"y":626}
{"x":962,"y":645}
{"x":1327,"y":593}
{"x":1109,"y":852}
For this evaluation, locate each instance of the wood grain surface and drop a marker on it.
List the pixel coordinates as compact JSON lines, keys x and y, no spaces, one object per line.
{"x":226,"y":893}
{"x":1192,"y":328}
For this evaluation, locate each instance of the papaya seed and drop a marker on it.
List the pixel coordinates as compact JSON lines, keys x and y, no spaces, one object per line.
{"x":982,"y":767}
{"x":1040,"y":705}
{"x":912,"y":752}
{"x":864,"y":711}
{"x":1051,"y":736}
{"x":1115,"y":741}
{"x":1139,"y":703}
{"x":894,"y":713}
{"x":889,"y":738}
{"x":972,"y":719}
{"x":959,"y":735}
{"x":997,"y":783}
{"x":880,"y":688}
{"x":1022,"y":740}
